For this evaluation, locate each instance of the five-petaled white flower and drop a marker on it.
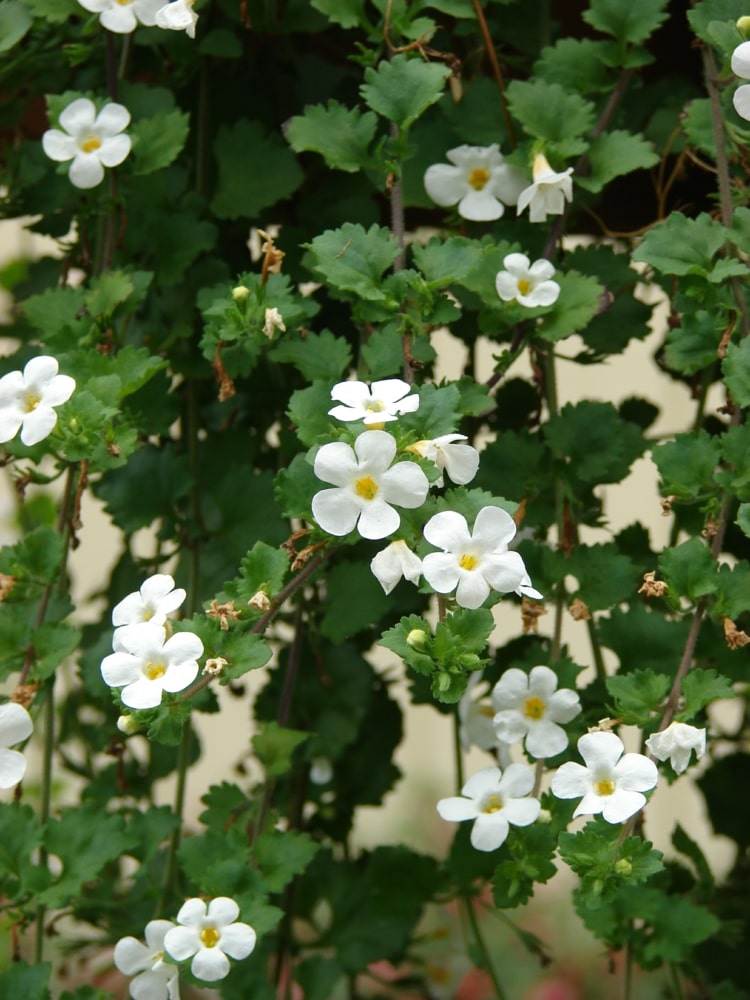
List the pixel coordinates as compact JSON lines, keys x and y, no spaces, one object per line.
{"x":741,"y":68}
{"x":374,"y":404}
{"x":15,"y":726}
{"x":92,"y":141}
{"x":145,"y":666}
{"x":611,"y":783}
{"x":676,"y":743}
{"x":460,"y":461}
{"x":123,"y":16}
{"x":394,"y":562}
{"x":479,"y":181}
{"x":178,"y":16}
{"x":477,"y":562}
{"x":475,"y":716}
{"x":366,"y":485}
{"x":530,"y":706}
{"x":493,"y":799}
{"x":28,"y":400}
{"x":547,"y":195}
{"x":209,"y":934}
{"x":529,"y":284}
{"x":156,"y":598}
{"x":155,"y":977}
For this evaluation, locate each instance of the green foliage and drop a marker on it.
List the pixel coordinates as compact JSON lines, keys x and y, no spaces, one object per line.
{"x":341,"y":135}
{"x":547,"y":111}
{"x":632,"y":23}
{"x":402,"y":88}
{"x":255,"y":170}
{"x":354,"y":259}
{"x":638,"y":695}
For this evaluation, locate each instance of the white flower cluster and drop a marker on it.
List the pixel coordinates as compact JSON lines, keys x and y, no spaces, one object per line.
{"x":741,"y":68}
{"x":28,"y":400}
{"x":209,"y":934}
{"x":147,"y":661}
{"x":124,"y":16}
{"x":15,"y":727}
{"x":368,"y":487}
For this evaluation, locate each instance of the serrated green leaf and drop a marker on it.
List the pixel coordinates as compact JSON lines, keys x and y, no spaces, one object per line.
{"x":682,"y":246}
{"x":637,"y":695}
{"x":547,"y":111}
{"x":689,"y":569}
{"x":158,"y":141}
{"x":354,"y":259}
{"x":736,"y":370}
{"x":578,"y":303}
{"x":687,"y":464}
{"x":256,"y":170}
{"x":630,"y":22}
{"x":341,"y":135}
{"x":316,"y":355}
{"x":701,"y":687}
{"x":402,"y":88}
{"x":613,"y":154}
{"x":274,"y":747}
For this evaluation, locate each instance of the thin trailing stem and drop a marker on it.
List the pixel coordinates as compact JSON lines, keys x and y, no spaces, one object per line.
{"x":550,"y":385}
{"x":483,"y":950}
{"x":183,"y":760}
{"x":596,"y":649}
{"x":496,"y":70}
{"x":46,"y":799}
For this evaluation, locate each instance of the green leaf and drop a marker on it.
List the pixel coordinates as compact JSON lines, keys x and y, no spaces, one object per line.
{"x":531,"y":851}
{"x":700,"y":688}
{"x":576,"y":64}
{"x":743,"y":518}
{"x":638,"y":695}
{"x":604,"y":862}
{"x":579,"y":301}
{"x":263,"y":568}
{"x":687,"y":464}
{"x":36,"y":558}
{"x":689,"y":570}
{"x":243,"y":653}
{"x":354,"y":259}
{"x":347,"y":13}
{"x":682,"y":246}
{"x":150,"y":486}
{"x":402,"y":88}
{"x":693,"y":344}
{"x":256,"y":170}
{"x":53,"y":11}
{"x":613,"y":154}
{"x":315,"y":355}
{"x":158,"y":141}
{"x":274,"y":747}
{"x":15,"y":21}
{"x":282,"y":855}
{"x":605,"y":576}
{"x":444,"y":262}
{"x":341,"y":135}
{"x":630,"y":22}
{"x":21,"y":836}
{"x":547,"y":111}
{"x":29,"y":982}
{"x":736,"y":370}
{"x":684,"y":843}
{"x":58,"y":310}
{"x":702,"y":15}
{"x":53,"y":642}
{"x":595,"y":441}
{"x":220,"y":43}
{"x":107,"y":292}
{"x":355,"y":601}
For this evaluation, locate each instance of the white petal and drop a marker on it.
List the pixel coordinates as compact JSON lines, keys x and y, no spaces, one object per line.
{"x":183,"y":646}
{"x":129,"y":610}
{"x":511,"y":689}
{"x":517,"y":264}
{"x":182,"y":942}
{"x":480,"y":206}
{"x":112,"y":119}
{"x":473,"y":590}
{"x":210,"y":965}
{"x":171,"y":601}
{"x":114,"y":150}
{"x":352,"y":394}
{"x":590,"y":805}
{"x":408,"y":405}
{"x":375,"y":450}
{"x":118,"y":669}
{"x":510,"y":726}
{"x":155,"y":932}
{"x":86,"y":171}
{"x":144,"y":640}
{"x":179,"y":675}
{"x":544,"y":294}
{"x":12,"y":388}
{"x":15,"y":724}
{"x":335,"y":511}
{"x":467,"y":157}
{"x":600,"y":749}
{"x":58,"y":146}
{"x":489,"y":831}
{"x":504,"y":572}
{"x":446,"y":185}
{"x":507,"y":286}
{"x":386,"y":568}
{"x":59,"y":390}
{"x":10,"y":423}
{"x":119,"y":18}
{"x":741,"y":101}
{"x":132,"y":956}
{"x":564,"y":705}
{"x":40,"y":371}
{"x":542,"y":270}
{"x":12,"y":767}
{"x":38,"y":425}
{"x":405,"y":484}
{"x":192,"y":912}
{"x":522,"y":812}
{"x":621,"y":805}
{"x":347,"y":413}
{"x":461,"y":463}
{"x":741,"y":61}
{"x":177,"y":16}
{"x":481,"y":782}
{"x":440,"y":570}
{"x":494,"y":528}
{"x":378,"y":520}
{"x":142,"y":693}
{"x":636,"y":773}
{"x":146,"y":10}
{"x":237,"y":940}
{"x":546,"y":739}
{"x":517,"y":781}
{"x":152,"y":984}
{"x":78,"y":116}
{"x":508,"y":182}
{"x":542,"y":682}
{"x":457,"y":809}
{"x":335,"y":463}
{"x":390,"y":390}
{"x":570,"y":781}
{"x":525,"y":198}
{"x":448,"y":531}
{"x":222,"y":911}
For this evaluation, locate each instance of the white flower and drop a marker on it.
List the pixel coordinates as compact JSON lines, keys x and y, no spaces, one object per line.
{"x":321,"y":770}
{"x":530,"y":706}
{"x":210,"y":933}
{"x":154,"y":979}
{"x":481,"y":183}
{"x":144,"y":665}
{"x":460,"y":461}
{"x":493,"y":799}
{"x":15,"y":726}
{"x":178,"y":16}
{"x":156,"y":598}
{"x":375,"y":404}
{"x":28,"y":399}
{"x":475,"y":716}
{"x":474,"y":563}
{"x":394,"y":562}
{"x":366,"y":486}
{"x":677,"y":741}
{"x":123,"y":16}
{"x":610,"y":783}
{"x":273,"y":320}
{"x":546,"y":196}
{"x":741,"y":68}
{"x":529,"y":284}
{"x":91,"y":141}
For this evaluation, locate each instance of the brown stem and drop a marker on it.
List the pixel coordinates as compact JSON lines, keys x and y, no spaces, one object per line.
{"x":496,"y":71}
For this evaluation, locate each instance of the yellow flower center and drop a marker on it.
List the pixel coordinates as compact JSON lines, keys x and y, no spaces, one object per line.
{"x":492,"y":804}
{"x":438,"y":974}
{"x":376,"y":427}
{"x":148,"y":614}
{"x":210,"y":937}
{"x":604,"y":787}
{"x":93,"y":142}
{"x":487,"y":710}
{"x":524,"y":286}
{"x":375,"y":406}
{"x":533,"y":707}
{"x":154,"y":671}
{"x":478,"y":178}
{"x":30,"y":401}
{"x":468,"y":561}
{"x":366,"y":487}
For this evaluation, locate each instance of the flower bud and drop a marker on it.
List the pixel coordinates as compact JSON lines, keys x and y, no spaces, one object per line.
{"x":417,"y":638}
{"x":743,"y":25}
{"x":128,"y":724}
{"x":443,"y":681}
{"x":260,"y":601}
{"x":624,"y":867}
{"x":545,"y":816}
{"x":240,"y":293}
{"x":469,"y":660}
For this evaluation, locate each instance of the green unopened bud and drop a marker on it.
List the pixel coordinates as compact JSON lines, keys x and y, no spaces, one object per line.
{"x":623,"y":867}
{"x":545,"y":816}
{"x":240,"y":293}
{"x":73,"y":424}
{"x":417,"y":638}
{"x":743,"y":25}
{"x":597,"y":887}
{"x":469,"y":660}
{"x":443,"y":681}
{"x":128,"y":724}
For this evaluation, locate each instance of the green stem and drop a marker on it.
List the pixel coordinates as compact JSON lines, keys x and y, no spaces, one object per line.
{"x":44,"y":811}
{"x":550,"y":385}
{"x":676,"y":984}
{"x":483,"y":949}
{"x":601,"y":670}
{"x":458,"y":752}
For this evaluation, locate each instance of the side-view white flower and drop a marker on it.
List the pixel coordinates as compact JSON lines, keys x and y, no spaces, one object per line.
{"x":378,"y":403}
{"x":676,"y":743}
{"x":741,"y":68}
{"x":478,"y":180}
{"x":475,"y":716}
{"x":460,"y":461}
{"x":394,"y":562}
{"x":123,"y":16}
{"x":366,"y":484}
{"x":15,"y":726}
{"x":156,"y":598}
{"x":493,"y":799}
{"x":548,"y":193}
{"x":28,"y":400}
{"x":155,"y":978}
{"x":530,"y":707}
{"x":474,"y":563}
{"x":92,"y":141}
{"x":208,"y":934}
{"x":178,"y":16}
{"x":526,"y":283}
{"x":145,"y":666}
{"x":611,"y":783}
